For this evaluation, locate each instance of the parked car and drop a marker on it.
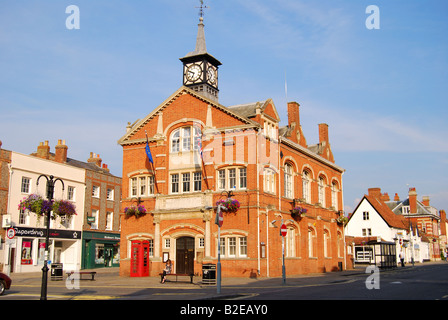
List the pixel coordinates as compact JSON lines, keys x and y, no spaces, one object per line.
{"x":5,"y":283}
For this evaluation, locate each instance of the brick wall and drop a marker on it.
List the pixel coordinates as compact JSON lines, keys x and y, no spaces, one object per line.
{"x":258,"y":207}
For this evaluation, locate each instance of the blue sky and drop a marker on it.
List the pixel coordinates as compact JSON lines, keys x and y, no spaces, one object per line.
{"x":382,"y":91}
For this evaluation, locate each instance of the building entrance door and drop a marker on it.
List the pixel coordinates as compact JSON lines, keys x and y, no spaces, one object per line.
{"x":185,"y":255}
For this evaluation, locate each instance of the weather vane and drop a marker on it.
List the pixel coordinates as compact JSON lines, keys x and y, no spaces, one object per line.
{"x":201,"y":8}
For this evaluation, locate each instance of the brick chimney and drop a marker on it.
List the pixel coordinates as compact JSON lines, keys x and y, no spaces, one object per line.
{"x":1,"y":144}
{"x":61,"y":152}
{"x":293,"y":114}
{"x":396,"y":198}
{"x":375,"y":192}
{"x":385,"y":197}
{"x":323,"y":133}
{"x":425,"y":201}
{"x":296,"y":134}
{"x":413,"y":200}
{"x":43,"y":150}
{"x":95,"y":158}
{"x":105,"y":168}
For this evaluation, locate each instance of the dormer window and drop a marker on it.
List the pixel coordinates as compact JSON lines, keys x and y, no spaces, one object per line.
{"x":270,"y":130}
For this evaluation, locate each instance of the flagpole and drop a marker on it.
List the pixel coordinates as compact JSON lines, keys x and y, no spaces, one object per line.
{"x":151,"y":161}
{"x":203,"y":171}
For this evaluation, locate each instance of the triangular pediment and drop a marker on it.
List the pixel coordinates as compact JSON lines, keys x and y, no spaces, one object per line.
{"x":136,"y":133}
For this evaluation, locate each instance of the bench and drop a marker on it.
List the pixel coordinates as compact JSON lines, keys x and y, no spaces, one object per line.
{"x":177,"y":275}
{"x":80,"y":273}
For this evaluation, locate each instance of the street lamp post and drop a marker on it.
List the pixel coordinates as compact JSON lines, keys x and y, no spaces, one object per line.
{"x":219,"y":221}
{"x":50,"y":191}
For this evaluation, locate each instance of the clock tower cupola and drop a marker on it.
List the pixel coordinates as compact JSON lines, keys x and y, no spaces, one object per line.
{"x":200,"y":69}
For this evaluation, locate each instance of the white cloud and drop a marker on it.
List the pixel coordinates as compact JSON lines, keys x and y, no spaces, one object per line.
{"x":365,"y":131}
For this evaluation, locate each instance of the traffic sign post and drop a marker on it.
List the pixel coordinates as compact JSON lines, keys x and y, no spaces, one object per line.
{"x":283,"y":230}
{"x":11,"y":233}
{"x":219,"y":220}
{"x":283,"y":233}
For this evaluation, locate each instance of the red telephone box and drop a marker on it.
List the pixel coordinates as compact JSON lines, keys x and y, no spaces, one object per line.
{"x":140,"y":258}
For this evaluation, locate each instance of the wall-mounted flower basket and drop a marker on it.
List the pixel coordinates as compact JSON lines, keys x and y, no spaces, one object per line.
{"x":136,"y":211}
{"x":40,"y":206}
{"x":230,"y":204}
{"x":342,"y":220}
{"x":298,"y":212}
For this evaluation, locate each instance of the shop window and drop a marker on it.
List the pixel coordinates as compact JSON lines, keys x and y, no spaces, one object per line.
{"x":27,"y":249}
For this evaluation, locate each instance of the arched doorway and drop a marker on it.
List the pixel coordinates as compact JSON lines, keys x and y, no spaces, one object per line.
{"x":185,"y":255}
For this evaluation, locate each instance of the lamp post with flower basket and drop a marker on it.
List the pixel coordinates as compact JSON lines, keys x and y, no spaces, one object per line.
{"x":42,"y":208}
{"x":47,"y":209}
{"x":230,"y":206}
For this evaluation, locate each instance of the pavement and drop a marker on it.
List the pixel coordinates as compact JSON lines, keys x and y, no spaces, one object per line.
{"x":110,"y":277}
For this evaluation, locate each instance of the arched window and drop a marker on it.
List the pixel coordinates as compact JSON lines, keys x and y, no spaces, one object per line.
{"x":288,"y":180}
{"x":186,"y":139}
{"x":290,"y":245}
{"x":327,"y":244}
{"x":340,"y":245}
{"x":334,"y":195}
{"x":321,"y":193}
{"x":306,"y":186}
{"x":269,"y":180}
{"x":311,"y":242}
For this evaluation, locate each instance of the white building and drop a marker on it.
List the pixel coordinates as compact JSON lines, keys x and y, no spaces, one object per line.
{"x":380,"y":235}
{"x":25,"y":253}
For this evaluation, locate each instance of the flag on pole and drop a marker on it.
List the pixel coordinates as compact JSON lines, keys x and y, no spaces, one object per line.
{"x":148,"y":151}
{"x":199,"y":144}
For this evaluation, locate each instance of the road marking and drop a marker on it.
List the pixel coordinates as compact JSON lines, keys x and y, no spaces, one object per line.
{"x":244,"y":296}
{"x":69,"y":297}
{"x":176,"y":293}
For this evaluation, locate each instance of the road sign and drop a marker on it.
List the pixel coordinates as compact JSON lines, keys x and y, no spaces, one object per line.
{"x":283,"y":230}
{"x":219,"y":216}
{"x":11,"y":233}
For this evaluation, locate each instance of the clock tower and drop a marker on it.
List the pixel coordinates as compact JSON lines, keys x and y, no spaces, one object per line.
{"x":200,"y":69}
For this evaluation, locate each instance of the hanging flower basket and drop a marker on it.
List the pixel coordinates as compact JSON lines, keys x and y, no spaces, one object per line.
{"x":134,"y":210}
{"x":230,"y":204}
{"x":342,"y":220}
{"x":298,"y":212}
{"x":64,"y":208}
{"x":37,"y":204}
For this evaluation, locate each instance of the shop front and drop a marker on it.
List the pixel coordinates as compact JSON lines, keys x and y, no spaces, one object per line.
{"x":100,"y":250}
{"x":27,"y":251}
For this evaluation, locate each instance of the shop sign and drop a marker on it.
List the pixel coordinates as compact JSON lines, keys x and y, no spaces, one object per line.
{"x":54,"y":233}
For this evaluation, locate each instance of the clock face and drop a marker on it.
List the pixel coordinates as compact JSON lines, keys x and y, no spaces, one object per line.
{"x":211,"y":76}
{"x":193,"y":72}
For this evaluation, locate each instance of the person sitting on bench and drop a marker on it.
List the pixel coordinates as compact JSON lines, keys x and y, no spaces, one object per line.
{"x":167,"y":270}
